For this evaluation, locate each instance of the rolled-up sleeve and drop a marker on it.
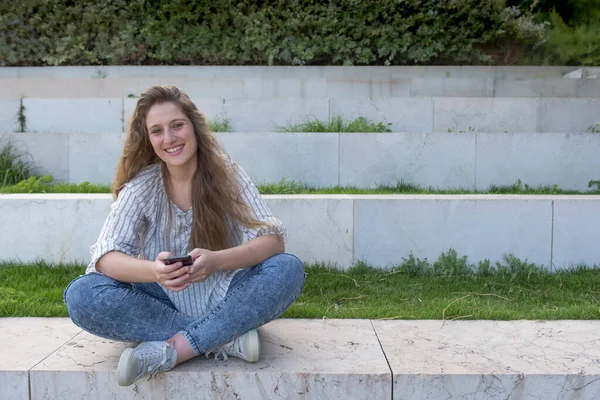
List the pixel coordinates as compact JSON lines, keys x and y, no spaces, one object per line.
{"x":121,"y":230}
{"x":260,"y":210}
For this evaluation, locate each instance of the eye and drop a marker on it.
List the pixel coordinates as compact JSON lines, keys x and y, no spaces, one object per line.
{"x":155,"y":131}
{"x":178,"y":125}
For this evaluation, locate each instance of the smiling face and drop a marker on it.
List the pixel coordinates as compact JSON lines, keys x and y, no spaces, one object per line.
{"x":172,"y":136}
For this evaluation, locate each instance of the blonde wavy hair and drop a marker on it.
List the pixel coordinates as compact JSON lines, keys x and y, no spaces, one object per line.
{"x":216,"y":194}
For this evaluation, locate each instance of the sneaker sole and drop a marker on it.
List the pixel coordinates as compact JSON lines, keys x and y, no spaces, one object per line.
{"x":124,"y":370}
{"x":252,"y":346}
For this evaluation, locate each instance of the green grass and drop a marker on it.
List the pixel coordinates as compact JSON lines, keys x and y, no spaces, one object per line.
{"x":13,"y":166}
{"x":285,"y":186}
{"x":45,"y":184}
{"x":335,"y":124}
{"x":449,"y":288}
{"x":220,"y":124}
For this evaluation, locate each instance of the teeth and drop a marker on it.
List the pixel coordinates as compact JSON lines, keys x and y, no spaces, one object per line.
{"x":174,"y":149}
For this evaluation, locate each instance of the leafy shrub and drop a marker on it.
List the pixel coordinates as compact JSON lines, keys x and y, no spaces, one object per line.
{"x":578,"y":45}
{"x":270,"y":32}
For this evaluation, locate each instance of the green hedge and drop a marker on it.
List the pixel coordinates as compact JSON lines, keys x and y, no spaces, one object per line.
{"x":287,"y":32}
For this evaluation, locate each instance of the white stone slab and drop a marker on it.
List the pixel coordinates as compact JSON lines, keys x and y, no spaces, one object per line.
{"x":203,"y":72}
{"x":568,"y":160}
{"x":405,"y":115}
{"x":93,"y":157}
{"x":300,"y":359}
{"x":263,"y":115}
{"x":485,"y":115}
{"x":568,"y":115}
{"x":442,"y":71}
{"x":311,"y":158}
{"x":387,"y":230}
{"x":424,"y":159}
{"x":531,"y":71}
{"x":46,"y":153}
{"x":544,"y":87}
{"x":262,"y":88}
{"x":24,"y":342}
{"x":452,"y":87}
{"x":588,"y":88}
{"x":319,"y":229}
{"x":492,"y":359}
{"x":9,"y":110}
{"x":202,"y":88}
{"x":74,"y":115}
{"x":211,"y":107}
{"x":575,"y":238}
{"x":55,"y":228}
{"x":368,"y":88}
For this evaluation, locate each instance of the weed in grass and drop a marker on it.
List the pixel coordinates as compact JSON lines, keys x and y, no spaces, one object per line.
{"x":220,"y":124}
{"x":13,"y":167}
{"x":336,"y":124}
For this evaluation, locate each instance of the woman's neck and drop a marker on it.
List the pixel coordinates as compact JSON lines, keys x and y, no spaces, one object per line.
{"x":182,"y":175}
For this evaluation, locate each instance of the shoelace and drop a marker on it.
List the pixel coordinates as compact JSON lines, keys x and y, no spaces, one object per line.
{"x":234,"y":348}
{"x":220,"y":355}
{"x":157,"y":367}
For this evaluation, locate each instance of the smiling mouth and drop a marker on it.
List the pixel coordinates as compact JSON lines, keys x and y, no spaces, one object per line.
{"x":174,"y":149}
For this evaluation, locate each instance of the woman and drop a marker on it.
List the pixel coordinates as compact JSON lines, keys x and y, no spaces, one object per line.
{"x":177,"y":192}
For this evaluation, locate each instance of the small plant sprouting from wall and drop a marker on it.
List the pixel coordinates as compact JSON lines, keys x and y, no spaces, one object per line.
{"x":21,"y":118}
{"x":594,"y":128}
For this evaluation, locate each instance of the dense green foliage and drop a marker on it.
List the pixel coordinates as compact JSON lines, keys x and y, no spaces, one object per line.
{"x":573,"y":34}
{"x":270,"y":32}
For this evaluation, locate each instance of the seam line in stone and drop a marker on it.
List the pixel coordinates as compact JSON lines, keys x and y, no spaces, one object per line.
{"x":52,"y":352}
{"x":386,"y":358}
{"x":475,"y":166}
{"x":552,"y":240}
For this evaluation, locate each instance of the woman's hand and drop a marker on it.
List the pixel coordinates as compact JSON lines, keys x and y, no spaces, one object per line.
{"x":206,"y":262}
{"x":175,"y":276}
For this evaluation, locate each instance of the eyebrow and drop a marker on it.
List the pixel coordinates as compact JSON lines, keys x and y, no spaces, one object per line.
{"x":173,"y":120}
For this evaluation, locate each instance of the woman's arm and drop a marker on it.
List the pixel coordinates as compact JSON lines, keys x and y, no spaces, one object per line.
{"x":245,"y":255}
{"x":125,"y":268}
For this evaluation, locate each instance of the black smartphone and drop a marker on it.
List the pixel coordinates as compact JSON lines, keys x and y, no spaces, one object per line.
{"x":186,"y":260}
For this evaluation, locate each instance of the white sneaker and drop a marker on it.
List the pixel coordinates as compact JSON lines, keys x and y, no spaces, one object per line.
{"x":246,"y":347}
{"x":148,"y":358}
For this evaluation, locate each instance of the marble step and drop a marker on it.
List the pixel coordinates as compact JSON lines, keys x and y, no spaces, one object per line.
{"x":308,"y":88}
{"x":441,"y":160}
{"x":304,"y":72}
{"x":408,"y":114}
{"x":556,"y":231}
{"x":50,"y":358}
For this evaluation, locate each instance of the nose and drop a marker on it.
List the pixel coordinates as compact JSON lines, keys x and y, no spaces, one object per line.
{"x":169,"y":136}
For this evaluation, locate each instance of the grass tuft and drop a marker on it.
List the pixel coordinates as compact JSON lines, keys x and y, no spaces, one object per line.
{"x":220,"y":124}
{"x":336,"y":124}
{"x":13,"y":166}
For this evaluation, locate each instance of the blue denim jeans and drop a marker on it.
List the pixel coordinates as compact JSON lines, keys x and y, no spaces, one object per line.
{"x":140,"y":312}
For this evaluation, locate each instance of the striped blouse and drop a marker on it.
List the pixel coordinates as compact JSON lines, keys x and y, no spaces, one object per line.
{"x":141,"y":214}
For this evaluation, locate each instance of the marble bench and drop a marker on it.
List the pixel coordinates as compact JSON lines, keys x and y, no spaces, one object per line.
{"x":50,"y":358}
